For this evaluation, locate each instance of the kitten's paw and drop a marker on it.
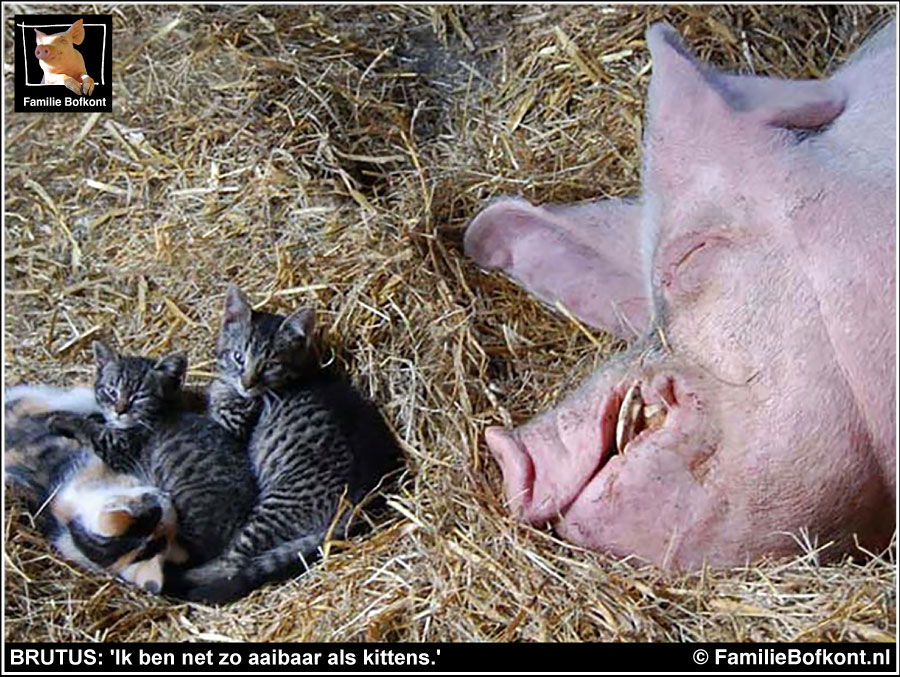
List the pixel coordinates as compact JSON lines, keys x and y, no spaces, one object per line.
{"x":68,"y":424}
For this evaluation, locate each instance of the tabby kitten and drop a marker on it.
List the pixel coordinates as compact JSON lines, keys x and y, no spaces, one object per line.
{"x":147,"y":432}
{"x":134,"y":395}
{"x":92,"y":515}
{"x":311,"y":440}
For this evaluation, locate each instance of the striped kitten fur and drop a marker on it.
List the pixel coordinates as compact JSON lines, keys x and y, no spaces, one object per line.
{"x":311,"y":439}
{"x":92,"y":515}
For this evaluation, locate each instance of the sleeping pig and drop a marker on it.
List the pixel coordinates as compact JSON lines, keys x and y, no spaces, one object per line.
{"x":755,"y":276}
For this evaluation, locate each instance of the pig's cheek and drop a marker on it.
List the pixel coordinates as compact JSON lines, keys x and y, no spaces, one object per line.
{"x":718,"y":333}
{"x":642,"y":506}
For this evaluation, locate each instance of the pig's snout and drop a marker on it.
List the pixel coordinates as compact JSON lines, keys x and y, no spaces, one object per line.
{"x":43,"y":52}
{"x":516,"y":466}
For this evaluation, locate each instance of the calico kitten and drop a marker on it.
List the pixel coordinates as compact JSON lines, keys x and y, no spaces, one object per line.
{"x":92,"y":515}
{"x":311,"y":440}
{"x":146,"y":431}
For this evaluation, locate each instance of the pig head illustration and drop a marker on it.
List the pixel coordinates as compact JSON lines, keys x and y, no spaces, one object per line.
{"x":61,"y":62}
{"x":756,"y":278}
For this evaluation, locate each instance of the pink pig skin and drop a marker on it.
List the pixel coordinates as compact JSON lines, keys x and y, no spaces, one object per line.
{"x":759,"y":268}
{"x":61,"y":62}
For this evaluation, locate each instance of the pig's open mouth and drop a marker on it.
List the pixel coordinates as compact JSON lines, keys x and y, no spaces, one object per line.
{"x":636,"y":418}
{"x":632,"y":414}
{"x":628,"y":420}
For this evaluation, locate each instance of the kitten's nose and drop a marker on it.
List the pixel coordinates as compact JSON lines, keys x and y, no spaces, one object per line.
{"x":249,"y":379}
{"x":121,"y":406}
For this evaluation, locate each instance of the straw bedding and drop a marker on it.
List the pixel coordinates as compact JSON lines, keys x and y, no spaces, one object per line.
{"x":331,"y":156}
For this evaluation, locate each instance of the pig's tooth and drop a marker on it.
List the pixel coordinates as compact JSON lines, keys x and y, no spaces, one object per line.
{"x":630,"y":417}
{"x":654,"y":416}
{"x":653,"y":409}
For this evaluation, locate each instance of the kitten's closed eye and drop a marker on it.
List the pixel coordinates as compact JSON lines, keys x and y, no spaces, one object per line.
{"x":108,"y":393}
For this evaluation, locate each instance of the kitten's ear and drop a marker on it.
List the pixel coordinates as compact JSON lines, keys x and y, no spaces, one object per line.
{"x":298,"y":325}
{"x":237,"y":307}
{"x":103,"y":354}
{"x":172,"y":366}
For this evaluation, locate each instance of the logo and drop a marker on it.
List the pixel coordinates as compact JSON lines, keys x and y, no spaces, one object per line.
{"x":63,"y":63}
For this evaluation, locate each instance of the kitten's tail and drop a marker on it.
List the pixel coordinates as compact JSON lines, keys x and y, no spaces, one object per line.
{"x":231,"y":576}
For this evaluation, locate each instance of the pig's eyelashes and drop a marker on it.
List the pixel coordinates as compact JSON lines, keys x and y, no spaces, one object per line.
{"x":798,"y":135}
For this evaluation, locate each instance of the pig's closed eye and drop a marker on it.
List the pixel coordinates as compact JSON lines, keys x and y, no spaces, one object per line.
{"x":690,"y":266}
{"x":679,"y":263}
{"x":689,"y":254}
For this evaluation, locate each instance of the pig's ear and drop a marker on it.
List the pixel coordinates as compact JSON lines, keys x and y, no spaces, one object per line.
{"x":76,"y":32}
{"x":683,"y":96}
{"x":39,"y":34}
{"x":586,"y":256}
{"x":682,"y":89}
{"x":790,"y":104}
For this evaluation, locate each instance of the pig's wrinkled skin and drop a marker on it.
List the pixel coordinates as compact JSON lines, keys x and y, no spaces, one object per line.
{"x":61,"y":62}
{"x":758,"y":270}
